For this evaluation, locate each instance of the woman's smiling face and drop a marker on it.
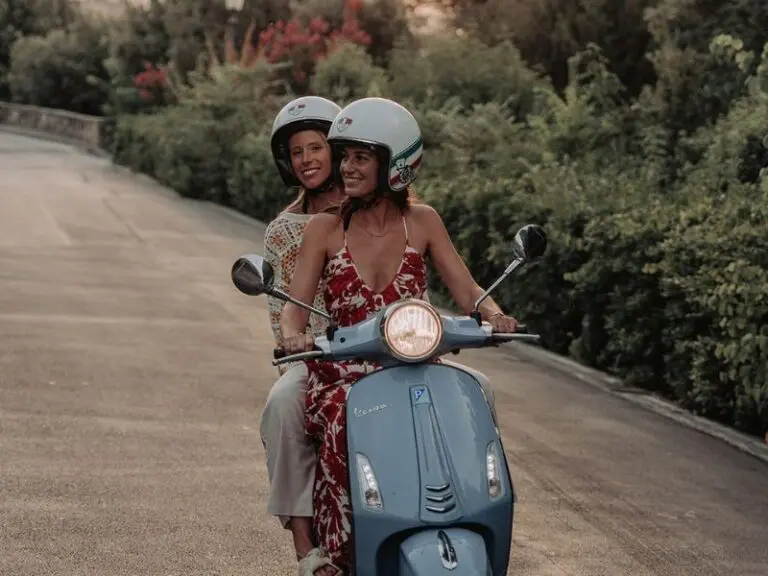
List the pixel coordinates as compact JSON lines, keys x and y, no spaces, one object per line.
{"x":310,"y":158}
{"x":359,"y":171}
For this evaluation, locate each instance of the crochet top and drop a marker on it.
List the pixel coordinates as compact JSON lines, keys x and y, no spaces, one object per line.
{"x":282,"y":240}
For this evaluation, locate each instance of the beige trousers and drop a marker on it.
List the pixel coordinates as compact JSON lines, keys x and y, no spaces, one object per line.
{"x":291,"y":457}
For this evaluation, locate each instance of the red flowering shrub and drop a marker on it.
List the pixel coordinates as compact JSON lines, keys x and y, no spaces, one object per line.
{"x":305,"y":44}
{"x":151,"y":84}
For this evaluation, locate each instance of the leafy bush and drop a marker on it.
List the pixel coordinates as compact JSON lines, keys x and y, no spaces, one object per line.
{"x":384,"y":21}
{"x":716,"y":258}
{"x":348,"y":73}
{"x":62,"y":69}
{"x":488,"y":73}
{"x":28,"y":18}
{"x":254,"y":184}
{"x":133,"y":143}
{"x":549,"y":32}
{"x":194,"y":142}
{"x":306,"y":45}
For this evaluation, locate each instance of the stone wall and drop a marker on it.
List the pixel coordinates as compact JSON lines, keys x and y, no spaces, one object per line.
{"x":61,"y":125}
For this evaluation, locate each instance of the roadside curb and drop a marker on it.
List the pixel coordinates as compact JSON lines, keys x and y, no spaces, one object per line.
{"x":549,"y":361}
{"x":40,"y":135}
{"x":170,"y":193}
{"x":239,"y":216}
{"x":530,"y":354}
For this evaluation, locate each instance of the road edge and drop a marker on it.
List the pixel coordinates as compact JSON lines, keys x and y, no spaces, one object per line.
{"x":568,"y":367}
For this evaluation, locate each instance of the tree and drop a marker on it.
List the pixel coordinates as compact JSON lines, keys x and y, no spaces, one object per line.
{"x":20,"y":18}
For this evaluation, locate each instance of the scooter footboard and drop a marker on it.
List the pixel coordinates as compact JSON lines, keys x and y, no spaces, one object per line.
{"x":450,"y":551}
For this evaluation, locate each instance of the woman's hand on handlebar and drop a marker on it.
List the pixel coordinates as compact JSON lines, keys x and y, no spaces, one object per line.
{"x":501,"y":323}
{"x":298,"y":343}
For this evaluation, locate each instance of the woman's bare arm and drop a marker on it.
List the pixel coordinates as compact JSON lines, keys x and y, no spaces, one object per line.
{"x":309,"y":268}
{"x":451,"y":267}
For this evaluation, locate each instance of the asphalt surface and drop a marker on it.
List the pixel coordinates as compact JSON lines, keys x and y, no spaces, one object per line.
{"x":132,"y":375}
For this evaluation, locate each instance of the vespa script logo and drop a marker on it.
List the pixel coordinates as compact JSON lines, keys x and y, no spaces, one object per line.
{"x":358,"y":412}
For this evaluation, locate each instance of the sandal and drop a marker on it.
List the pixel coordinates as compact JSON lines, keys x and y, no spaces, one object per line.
{"x":315,"y":559}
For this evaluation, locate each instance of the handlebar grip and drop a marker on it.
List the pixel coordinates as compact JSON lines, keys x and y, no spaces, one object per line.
{"x":280,"y":352}
{"x":515,"y":337}
{"x":299,"y":357}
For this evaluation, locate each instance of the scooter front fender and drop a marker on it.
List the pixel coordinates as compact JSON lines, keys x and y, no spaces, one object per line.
{"x":449,"y":551}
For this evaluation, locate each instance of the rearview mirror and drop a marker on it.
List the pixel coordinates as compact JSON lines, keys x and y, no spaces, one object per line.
{"x":530,"y":242}
{"x":252,"y":275}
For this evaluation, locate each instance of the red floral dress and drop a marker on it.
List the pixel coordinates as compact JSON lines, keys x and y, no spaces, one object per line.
{"x":349,"y":301}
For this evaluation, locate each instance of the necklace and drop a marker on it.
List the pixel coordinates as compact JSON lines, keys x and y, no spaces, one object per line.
{"x":386,"y":231}
{"x":374,"y":235}
{"x":368,"y":204}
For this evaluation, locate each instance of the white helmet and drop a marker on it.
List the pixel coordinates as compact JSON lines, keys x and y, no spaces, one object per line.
{"x":387,"y":126}
{"x":305,"y":113}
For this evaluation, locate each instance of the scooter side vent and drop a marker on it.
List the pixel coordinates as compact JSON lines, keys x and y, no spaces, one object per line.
{"x":440,"y":497}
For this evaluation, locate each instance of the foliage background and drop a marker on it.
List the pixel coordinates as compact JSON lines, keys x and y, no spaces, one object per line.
{"x":634,"y":131}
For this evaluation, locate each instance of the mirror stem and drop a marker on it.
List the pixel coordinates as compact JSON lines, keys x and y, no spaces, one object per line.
{"x":277,"y":293}
{"x":517,"y":262}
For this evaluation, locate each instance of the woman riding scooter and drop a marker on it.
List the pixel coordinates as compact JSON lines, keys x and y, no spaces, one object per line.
{"x":368,"y":256}
{"x":303,"y":158}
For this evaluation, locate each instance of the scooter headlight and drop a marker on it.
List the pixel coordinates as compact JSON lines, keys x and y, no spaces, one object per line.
{"x":412,"y":330}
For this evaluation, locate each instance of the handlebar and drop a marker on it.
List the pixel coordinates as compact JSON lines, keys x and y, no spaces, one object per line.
{"x":521,"y":335}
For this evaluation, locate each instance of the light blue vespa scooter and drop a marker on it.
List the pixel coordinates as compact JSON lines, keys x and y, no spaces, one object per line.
{"x":430,"y":486}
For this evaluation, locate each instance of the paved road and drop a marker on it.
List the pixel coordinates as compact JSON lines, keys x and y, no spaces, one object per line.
{"x":132,"y":375}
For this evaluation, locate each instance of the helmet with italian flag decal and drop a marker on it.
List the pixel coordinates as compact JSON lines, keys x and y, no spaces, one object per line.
{"x":387,"y":127}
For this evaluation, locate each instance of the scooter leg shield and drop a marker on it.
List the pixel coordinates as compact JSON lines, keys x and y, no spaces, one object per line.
{"x":449,"y":551}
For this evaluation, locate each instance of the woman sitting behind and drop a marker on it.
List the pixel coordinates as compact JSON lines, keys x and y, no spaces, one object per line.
{"x":370,"y":255}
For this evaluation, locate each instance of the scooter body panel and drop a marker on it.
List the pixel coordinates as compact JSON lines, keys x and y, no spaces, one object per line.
{"x":426,"y":430}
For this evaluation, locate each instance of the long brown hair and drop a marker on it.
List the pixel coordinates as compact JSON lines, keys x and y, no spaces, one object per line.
{"x":302,"y":201}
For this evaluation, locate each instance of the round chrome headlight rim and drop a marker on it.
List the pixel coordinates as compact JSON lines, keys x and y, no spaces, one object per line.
{"x":393,"y":313}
